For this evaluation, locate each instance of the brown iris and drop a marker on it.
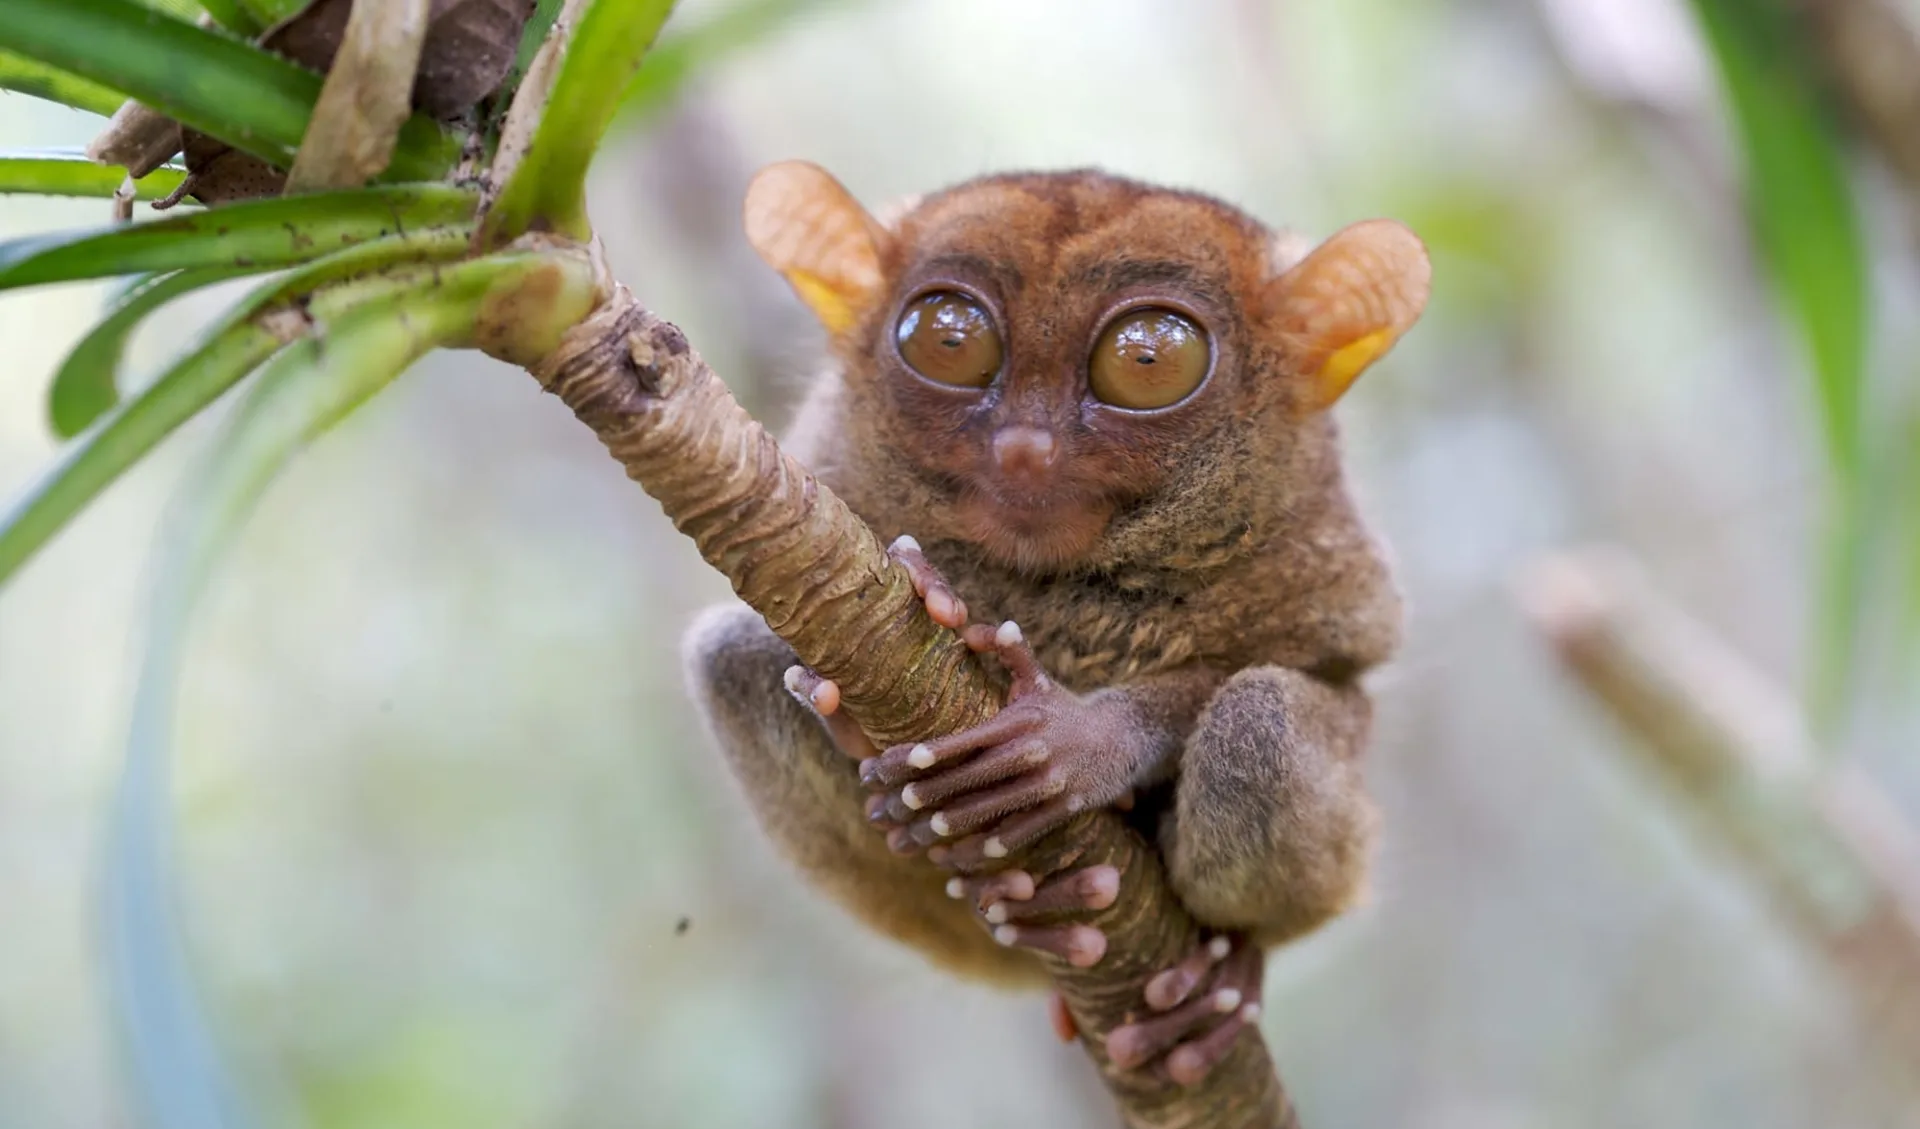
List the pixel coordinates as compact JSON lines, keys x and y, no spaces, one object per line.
{"x":947,"y":338}
{"x":1148,"y":359}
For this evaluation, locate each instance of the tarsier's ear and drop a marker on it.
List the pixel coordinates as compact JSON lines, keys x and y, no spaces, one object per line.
{"x":811,"y":230}
{"x":1349,"y":300}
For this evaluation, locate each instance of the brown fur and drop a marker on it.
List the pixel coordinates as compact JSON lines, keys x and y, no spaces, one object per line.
{"x":1205,"y":559}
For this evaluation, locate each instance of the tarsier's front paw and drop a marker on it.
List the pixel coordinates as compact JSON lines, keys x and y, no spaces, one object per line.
{"x":1199,"y":1006}
{"x":1047,"y":756}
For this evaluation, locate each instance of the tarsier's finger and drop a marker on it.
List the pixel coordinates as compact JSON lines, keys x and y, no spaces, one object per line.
{"x":877,"y":814}
{"x":992,"y":889}
{"x":1017,"y":831}
{"x":1170,"y":988}
{"x":1010,"y":646}
{"x":1191,"y":1062}
{"x":970,"y":813}
{"x":943,"y":603}
{"x":1082,"y":891}
{"x":979,"y":637}
{"x":822,"y":696}
{"x":1136,"y":1044}
{"x":979,"y":852}
{"x":1020,"y":755}
{"x":1081,"y":946}
{"x":902,"y":763}
{"x":902,"y":843}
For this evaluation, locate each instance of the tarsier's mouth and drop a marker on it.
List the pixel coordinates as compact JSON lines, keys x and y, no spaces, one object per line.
{"x":1034,"y":534}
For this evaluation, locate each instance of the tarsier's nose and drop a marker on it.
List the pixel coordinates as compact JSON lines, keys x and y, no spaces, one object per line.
{"x":1024,"y":452}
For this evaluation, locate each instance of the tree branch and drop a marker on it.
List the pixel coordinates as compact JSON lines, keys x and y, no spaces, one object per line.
{"x":820,"y":576}
{"x":1822,"y":843}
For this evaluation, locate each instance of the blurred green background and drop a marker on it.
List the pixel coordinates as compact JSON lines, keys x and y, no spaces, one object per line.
{"x":455,"y":853}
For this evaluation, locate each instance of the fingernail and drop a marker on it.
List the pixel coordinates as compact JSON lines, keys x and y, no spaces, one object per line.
{"x":1006,"y":935}
{"x":995,"y":849}
{"x":910,"y":796}
{"x":1226,"y":1000}
{"x":905,"y":543}
{"x":997,"y":913}
{"x":941,"y":826}
{"x":956,"y":889}
{"x":920,"y":757}
{"x":793,"y":677}
{"x":1219,"y":947}
{"x":1008,"y":635}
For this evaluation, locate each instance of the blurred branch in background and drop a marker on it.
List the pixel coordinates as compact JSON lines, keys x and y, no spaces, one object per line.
{"x":1822,"y":843}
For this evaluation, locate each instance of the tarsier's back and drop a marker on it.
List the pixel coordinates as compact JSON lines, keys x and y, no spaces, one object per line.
{"x":1094,"y":413}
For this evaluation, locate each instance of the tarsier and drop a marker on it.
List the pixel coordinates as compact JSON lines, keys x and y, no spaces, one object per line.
{"x":1092,"y":413}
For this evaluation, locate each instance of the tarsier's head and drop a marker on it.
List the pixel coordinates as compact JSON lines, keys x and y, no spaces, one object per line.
{"x":1058,"y":355}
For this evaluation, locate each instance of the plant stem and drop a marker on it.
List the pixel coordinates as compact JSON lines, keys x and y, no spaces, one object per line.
{"x":820,"y":576}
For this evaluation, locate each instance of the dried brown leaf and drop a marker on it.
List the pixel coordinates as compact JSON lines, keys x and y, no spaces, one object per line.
{"x":367,"y":95}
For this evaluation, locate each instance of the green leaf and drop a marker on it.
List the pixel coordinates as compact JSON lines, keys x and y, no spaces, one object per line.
{"x":676,"y":58}
{"x":1803,"y":213}
{"x":229,"y":351}
{"x":170,"y":1044}
{"x":254,"y":233}
{"x":249,"y":98}
{"x":86,"y":386}
{"x":561,"y":112}
{"x":55,"y":85}
{"x":60,"y":172}
{"x":233,"y":15}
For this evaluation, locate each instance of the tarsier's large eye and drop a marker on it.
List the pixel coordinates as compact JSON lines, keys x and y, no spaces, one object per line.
{"x":949,"y":339}
{"x":1148,"y":359}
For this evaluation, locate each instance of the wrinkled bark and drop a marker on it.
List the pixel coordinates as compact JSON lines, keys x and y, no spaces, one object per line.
{"x":821,"y":577}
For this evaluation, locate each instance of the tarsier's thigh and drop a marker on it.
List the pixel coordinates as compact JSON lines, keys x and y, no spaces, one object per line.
{"x":1271,"y":827}
{"x":807,"y":796}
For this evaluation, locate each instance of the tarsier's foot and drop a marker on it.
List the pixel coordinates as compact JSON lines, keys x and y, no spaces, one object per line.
{"x":1194,"y":1030}
{"x":1031,"y":917}
{"x":990,"y":790}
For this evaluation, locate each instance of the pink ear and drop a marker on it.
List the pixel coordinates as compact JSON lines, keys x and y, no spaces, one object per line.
{"x":1350,"y":299}
{"x":812,"y":230}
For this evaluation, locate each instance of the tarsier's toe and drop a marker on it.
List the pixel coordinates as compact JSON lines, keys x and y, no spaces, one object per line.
{"x":1081,"y":891}
{"x":821,"y":695}
{"x":943,"y":604}
{"x":986,"y":891}
{"x":1194,"y":1032}
{"x":1171,"y":988}
{"x":1081,"y":946}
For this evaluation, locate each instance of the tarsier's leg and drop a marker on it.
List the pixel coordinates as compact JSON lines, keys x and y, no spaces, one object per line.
{"x":1271,"y":826}
{"x":806,"y":794}
{"x":1267,"y":839}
